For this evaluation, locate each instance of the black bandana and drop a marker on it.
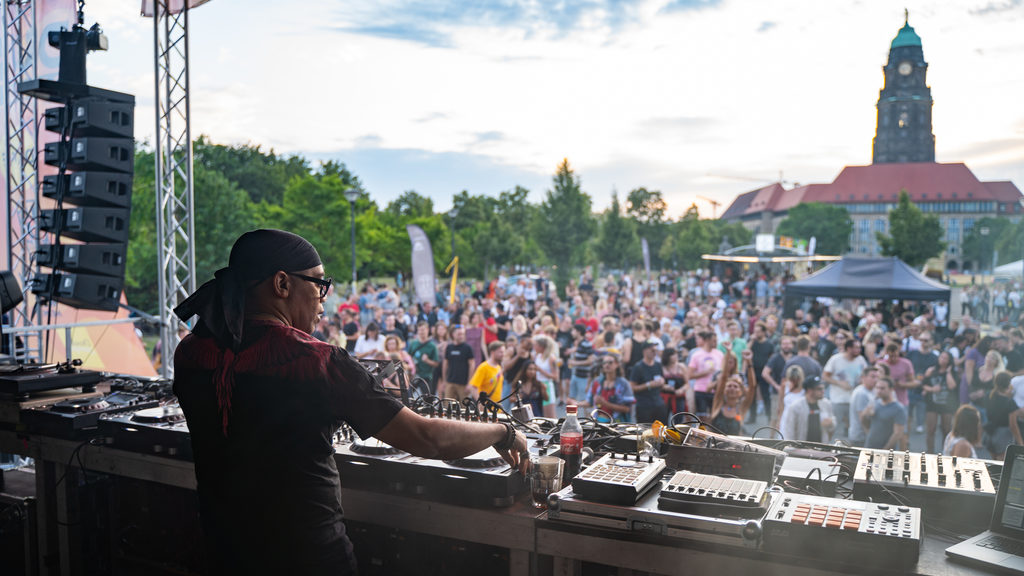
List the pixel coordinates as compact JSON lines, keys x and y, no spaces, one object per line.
{"x":256,"y":255}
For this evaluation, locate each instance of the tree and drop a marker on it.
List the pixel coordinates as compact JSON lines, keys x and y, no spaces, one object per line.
{"x":617,"y":243}
{"x":263,"y":175}
{"x":913,"y":236}
{"x":980,"y":248}
{"x":829,"y":224}
{"x":647,"y":209}
{"x":565,"y":223}
{"x":412,"y":204}
{"x":692,"y":238}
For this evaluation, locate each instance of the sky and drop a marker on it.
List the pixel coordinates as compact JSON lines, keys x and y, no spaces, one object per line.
{"x":700,"y":99}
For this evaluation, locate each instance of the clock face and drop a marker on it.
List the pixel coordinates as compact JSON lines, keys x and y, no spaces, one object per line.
{"x":905,"y":68}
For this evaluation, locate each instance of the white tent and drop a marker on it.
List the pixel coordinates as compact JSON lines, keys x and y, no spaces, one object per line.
{"x":1011,"y":270}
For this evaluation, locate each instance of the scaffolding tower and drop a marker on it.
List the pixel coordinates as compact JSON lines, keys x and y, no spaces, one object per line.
{"x":22,"y":163}
{"x":174,"y":191}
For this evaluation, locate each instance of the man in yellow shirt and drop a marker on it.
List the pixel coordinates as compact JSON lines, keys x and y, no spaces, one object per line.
{"x":488,"y":376}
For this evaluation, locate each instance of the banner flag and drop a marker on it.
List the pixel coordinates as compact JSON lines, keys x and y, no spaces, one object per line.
{"x":647,"y":255}
{"x":423,"y":277}
{"x":455,"y":278}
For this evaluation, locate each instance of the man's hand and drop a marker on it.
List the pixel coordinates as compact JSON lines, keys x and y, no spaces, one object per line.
{"x":519,"y":456}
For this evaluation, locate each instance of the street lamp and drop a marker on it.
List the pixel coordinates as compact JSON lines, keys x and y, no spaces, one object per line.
{"x":453,"y":213}
{"x":984,"y":246}
{"x":352,"y":194}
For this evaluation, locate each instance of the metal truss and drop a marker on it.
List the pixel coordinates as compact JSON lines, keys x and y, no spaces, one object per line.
{"x":174,"y":190}
{"x":22,"y":129}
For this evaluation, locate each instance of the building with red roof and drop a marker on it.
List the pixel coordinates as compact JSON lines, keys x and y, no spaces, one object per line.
{"x":903,"y":159}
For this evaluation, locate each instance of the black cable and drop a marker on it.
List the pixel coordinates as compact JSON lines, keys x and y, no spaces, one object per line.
{"x":777,"y":431}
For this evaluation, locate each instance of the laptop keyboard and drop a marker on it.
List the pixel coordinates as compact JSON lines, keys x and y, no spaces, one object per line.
{"x":1001,"y":544}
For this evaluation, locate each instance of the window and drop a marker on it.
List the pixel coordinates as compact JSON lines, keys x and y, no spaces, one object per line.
{"x":968,"y":225}
{"x":953,"y":231}
{"x":880,"y":225}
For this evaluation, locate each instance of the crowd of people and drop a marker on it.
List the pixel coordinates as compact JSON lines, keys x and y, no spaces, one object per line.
{"x":719,"y":348}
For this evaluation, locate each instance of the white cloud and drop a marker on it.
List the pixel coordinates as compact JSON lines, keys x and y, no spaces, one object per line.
{"x":775,"y":85}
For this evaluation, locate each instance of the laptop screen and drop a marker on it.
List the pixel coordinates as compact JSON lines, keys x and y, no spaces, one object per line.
{"x":1008,"y":515}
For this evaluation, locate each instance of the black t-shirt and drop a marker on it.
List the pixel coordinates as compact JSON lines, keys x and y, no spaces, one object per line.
{"x":351,"y":331}
{"x":502,"y":332}
{"x":458,"y":357}
{"x":922,"y":361}
{"x":1015,"y":359}
{"x":289,"y":394}
{"x":777,"y":366}
{"x":641,"y":373}
{"x":999,"y":409}
{"x":762,"y":352}
{"x":813,"y":423}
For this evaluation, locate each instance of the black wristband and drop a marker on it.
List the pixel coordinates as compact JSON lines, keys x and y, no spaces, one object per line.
{"x":508,"y":441}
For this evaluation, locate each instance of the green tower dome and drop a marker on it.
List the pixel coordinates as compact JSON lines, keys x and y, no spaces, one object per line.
{"x":906,"y":35}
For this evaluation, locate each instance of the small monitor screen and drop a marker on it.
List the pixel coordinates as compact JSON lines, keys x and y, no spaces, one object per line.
{"x":1013,"y":509}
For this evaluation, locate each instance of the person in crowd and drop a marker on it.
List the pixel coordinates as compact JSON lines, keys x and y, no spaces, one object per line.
{"x":885,"y":419}
{"x":545,"y":357}
{"x":371,"y":344}
{"x":350,"y":327}
{"x":809,"y":418}
{"x":632,"y":348}
{"x":966,"y":433}
{"x":939,"y":385}
{"x":733,"y":337}
{"x":532,"y":391}
{"x":250,"y":349}
{"x":488,"y":378}
{"x":610,"y":392}
{"x":922,"y":358}
{"x":984,"y":380}
{"x":394,"y":345}
{"x":648,"y":381}
{"x":680,"y":397}
{"x":705,"y":361}
{"x":842,"y":373}
{"x":762,"y":351}
{"x":803,"y":359}
{"x":1002,"y":428}
{"x":901,"y":372}
{"x":734,"y":393}
{"x":457,"y":366}
{"x":581,"y":363}
{"x":792,"y":390}
{"x":441,"y":336}
{"x":862,"y":395}
{"x":475,"y":335}
{"x":424,"y":353}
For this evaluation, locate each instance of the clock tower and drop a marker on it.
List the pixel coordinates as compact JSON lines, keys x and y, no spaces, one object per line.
{"x":903,"y":132}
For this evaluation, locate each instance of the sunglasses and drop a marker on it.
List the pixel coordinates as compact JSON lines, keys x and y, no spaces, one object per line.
{"x":324,"y":284}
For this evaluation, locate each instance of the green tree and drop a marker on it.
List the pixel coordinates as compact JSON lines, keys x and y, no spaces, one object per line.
{"x":829,"y":224}
{"x":913,"y":237}
{"x":617,"y":244}
{"x":412,"y":204}
{"x":692,"y":238}
{"x":263,"y":175}
{"x":565,"y":223}
{"x":222,"y":212}
{"x":647,"y":209}
{"x":141,"y":271}
{"x":980,"y":248}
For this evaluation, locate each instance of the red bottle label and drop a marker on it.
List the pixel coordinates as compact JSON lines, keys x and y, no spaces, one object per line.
{"x":571,"y":444}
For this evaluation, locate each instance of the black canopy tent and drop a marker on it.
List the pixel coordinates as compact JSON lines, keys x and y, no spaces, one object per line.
{"x":868,"y":279}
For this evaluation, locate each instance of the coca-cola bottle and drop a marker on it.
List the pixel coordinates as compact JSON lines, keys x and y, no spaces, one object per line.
{"x":570,"y":445}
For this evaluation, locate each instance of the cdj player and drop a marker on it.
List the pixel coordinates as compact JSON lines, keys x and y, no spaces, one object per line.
{"x":78,"y":417}
{"x":161,"y":430}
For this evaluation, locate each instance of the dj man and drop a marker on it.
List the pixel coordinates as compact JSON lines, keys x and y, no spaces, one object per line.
{"x":263,"y":399}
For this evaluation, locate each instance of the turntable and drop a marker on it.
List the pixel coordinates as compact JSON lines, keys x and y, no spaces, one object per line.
{"x":375,"y":465}
{"x":161,"y":430}
{"x":78,"y":417}
{"x":21,"y":380}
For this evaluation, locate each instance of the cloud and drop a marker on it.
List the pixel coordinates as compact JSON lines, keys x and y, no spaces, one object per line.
{"x":674,"y":6}
{"x":766,"y":26}
{"x":432,"y":117}
{"x":489,"y":136}
{"x":997,"y":7}
{"x":369,"y":141}
{"x":436,"y":24}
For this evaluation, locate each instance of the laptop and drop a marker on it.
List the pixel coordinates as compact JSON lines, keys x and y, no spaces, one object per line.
{"x":1002,"y":545}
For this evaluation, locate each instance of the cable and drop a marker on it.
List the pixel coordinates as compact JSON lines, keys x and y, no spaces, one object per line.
{"x":777,"y":431}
